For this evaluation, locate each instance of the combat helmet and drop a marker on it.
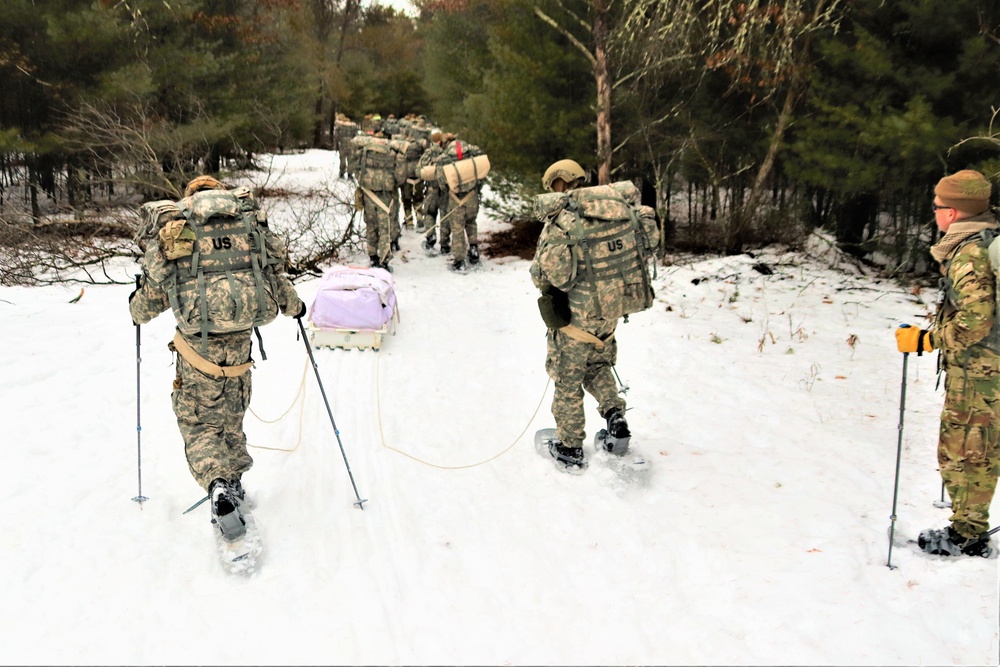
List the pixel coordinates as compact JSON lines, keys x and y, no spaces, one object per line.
{"x":568,"y":170}
{"x":200,"y":183}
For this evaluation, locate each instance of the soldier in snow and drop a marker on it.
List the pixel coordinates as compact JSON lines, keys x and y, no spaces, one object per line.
{"x":967,"y":333}
{"x":221,"y":271}
{"x":590,"y":265}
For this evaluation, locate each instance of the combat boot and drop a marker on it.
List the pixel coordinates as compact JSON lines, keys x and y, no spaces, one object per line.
{"x":473,"y":254}
{"x":394,"y":245}
{"x":458,"y":266}
{"x":226,"y":513}
{"x":949,"y":542}
{"x":374,"y":261}
{"x":615,"y":438}
{"x":429,"y":241}
{"x":570,"y":458}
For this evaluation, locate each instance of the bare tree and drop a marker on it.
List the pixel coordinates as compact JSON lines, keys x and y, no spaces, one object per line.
{"x":763,"y":47}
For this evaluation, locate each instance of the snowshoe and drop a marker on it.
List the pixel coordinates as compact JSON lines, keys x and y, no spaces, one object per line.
{"x":458,"y":266}
{"x":226,"y":513}
{"x":948,"y":542}
{"x":428,"y":244}
{"x":566,"y":459}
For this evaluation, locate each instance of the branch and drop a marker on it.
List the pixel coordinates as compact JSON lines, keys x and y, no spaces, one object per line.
{"x":565,"y":33}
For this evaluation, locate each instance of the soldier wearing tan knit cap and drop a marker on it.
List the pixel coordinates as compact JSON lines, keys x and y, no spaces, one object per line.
{"x":967,"y":332}
{"x":966,"y":191}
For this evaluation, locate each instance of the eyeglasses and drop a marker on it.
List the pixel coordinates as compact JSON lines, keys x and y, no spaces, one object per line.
{"x":937,"y":207}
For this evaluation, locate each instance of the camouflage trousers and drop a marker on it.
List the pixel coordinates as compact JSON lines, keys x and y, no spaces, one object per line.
{"x":210,"y":410}
{"x":461,"y":220}
{"x":381,"y":225}
{"x":412,"y":194}
{"x":429,"y":212}
{"x":969,"y":449}
{"x":574,"y":367}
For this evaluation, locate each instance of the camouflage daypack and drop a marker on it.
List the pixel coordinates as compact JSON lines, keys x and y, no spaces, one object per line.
{"x":224,"y":264}
{"x":596,"y":246}
{"x":379,"y":166}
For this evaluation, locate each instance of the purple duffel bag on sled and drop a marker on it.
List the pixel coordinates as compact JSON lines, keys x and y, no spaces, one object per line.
{"x":354,"y":307}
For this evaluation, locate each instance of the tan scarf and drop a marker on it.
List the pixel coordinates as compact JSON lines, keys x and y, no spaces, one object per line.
{"x":958,"y":234}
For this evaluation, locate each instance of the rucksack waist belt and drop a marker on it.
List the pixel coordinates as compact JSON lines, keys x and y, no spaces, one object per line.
{"x":576,"y":333}
{"x":204,"y":365}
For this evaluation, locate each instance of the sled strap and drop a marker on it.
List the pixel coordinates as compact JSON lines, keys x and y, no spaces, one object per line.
{"x":381,"y":204}
{"x":576,"y":333}
{"x":204,"y":365}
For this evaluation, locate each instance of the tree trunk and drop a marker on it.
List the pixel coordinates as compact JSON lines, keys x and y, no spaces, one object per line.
{"x":603,"y":79}
{"x":740,"y":226}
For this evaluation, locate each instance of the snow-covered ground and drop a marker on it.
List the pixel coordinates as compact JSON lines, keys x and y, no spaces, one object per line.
{"x":768,"y":406}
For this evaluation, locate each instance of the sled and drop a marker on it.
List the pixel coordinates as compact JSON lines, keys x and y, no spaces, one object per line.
{"x":354,"y":307}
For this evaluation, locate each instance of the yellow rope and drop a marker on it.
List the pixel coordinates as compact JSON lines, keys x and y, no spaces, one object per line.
{"x":300,"y":396}
{"x":302,"y":410}
{"x":378,"y":401}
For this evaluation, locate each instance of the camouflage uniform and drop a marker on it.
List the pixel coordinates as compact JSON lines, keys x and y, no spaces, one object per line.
{"x":379,"y":175}
{"x":343,"y":133}
{"x":574,"y":366}
{"x":412,"y":190}
{"x":209,"y":410}
{"x":968,"y":336}
{"x":459,"y":210}
{"x":432,"y":195}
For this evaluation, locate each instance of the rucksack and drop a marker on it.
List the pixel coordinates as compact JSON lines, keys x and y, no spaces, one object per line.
{"x":411,"y":150}
{"x":380,"y":166}
{"x":154,"y":215}
{"x":596,"y":246}
{"x":224,"y":261}
{"x":457,"y":170}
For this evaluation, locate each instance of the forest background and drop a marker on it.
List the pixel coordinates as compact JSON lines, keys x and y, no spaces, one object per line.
{"x":745,"y":122}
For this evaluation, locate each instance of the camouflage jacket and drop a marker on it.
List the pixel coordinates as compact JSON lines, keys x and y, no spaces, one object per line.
{"x":966,"y":330}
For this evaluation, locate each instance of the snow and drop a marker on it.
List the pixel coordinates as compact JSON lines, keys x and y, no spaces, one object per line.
{"x":768,"y":405}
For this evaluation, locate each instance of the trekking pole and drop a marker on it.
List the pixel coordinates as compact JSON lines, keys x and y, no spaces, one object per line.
{"x":622,"y":387}
{"x":942,"y":502}
{"x":138,"y":403}
{"x":899,"y":450}
{"x":336,"y":431}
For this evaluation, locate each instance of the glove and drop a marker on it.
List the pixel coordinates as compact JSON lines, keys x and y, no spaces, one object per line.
{"x":553,"y":305}
{"x":301,"y":313}
{"x":912,"y":339}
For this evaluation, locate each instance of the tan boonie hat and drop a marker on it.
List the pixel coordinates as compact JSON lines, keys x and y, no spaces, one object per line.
{"x":967,"y":191}
{"x":200,"y":183}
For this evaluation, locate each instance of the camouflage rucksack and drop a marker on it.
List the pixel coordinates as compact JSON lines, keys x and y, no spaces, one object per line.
{"x":155,"y":214}
{"x":379,"y":166}
{"x":411,"y":150}
{"x":596,"y":246}
{"x":224,"y":264}
{"x":452,"y":153}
